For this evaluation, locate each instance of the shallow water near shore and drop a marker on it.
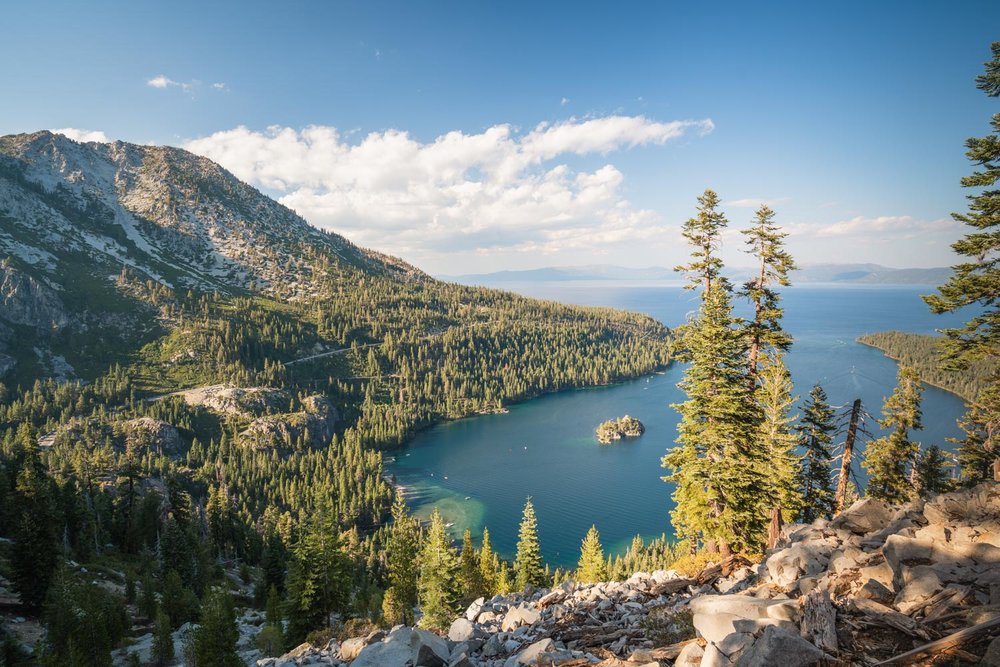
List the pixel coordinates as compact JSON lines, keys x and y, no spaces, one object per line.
{"x":479,"y":470}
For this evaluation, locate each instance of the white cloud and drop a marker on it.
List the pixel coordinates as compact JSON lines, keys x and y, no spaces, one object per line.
{"x":492,"y":191}
{"x":161,"y":82}
{"x":564,"y":101}
{"x":83,"y":136}
{"x":754,"y":202}
{"x":885,"y":227}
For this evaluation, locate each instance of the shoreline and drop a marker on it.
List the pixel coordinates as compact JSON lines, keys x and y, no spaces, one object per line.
{"x":923,"y":380}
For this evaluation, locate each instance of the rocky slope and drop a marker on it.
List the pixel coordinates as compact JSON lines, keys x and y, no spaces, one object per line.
{"x":85,"y":228}
{"x":874,"y":583}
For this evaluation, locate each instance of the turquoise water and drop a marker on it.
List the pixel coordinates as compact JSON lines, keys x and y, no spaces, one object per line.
{"x":478,"y":471}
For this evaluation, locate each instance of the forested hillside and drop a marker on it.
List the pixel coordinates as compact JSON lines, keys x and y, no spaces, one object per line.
{"x":192,"y":377}
{"x":923,"y":354}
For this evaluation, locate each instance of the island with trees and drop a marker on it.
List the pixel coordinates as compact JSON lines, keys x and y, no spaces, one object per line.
{"x":616,"y":429}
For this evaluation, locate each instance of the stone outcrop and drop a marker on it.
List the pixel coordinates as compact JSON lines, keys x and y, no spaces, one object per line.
{"x":146,"y":433}
{"x":313,"y":426}
{"x":238,"y":401}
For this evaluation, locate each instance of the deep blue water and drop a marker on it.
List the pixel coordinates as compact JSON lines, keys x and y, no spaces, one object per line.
{"x":479,"y":471}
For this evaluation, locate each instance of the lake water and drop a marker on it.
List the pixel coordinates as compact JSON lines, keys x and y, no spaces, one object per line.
{"x":479,"y":471}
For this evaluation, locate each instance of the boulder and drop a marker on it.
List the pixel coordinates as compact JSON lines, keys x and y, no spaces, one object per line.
{"x":462,"y":630}
{"x":875,"y":590}
{"x":532,"y":654}
{"x":493,"y":647}
{"x":690,"y":656}
{"x":714,"y":615}
{"x":390,"y":653}
{"x":786,"y":566}
{"x":992,"y":656}
{"x":518,"y":616}
{"x":864,"y":516}
{"x":429,"y":649}
{"x":727,"y":651}
{"x":923,"y":583}
{"x":350,"y":648}
{"x":474,"y":609}
{"x":778,"y":646}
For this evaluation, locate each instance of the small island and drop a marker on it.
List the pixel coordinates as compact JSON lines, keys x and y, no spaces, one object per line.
{"x":616,"y":429}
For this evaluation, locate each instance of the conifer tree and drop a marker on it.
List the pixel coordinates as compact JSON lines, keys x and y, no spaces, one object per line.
{"x":470,"y":577}
{"x":979,"y":451}
{"x":765,"y":241}
{"x":437,"y":583}
{"x":778,"y":442}
{"x":815,"y":438}
{"x":977,"y":281}
{"x":888,"y":458}
{"x":528,"y":569}
{"x":35,"y":552}
{"x":703,"y":233}
{"x":717,"y":464}
{"x":318,"y":582}
{"x":401,"y":561}
{"x":216,"y":636}
{"x":932,"y":472}
{"x":488,"y":566}
{"x":590,"y":568}
{"x":163,"y":641}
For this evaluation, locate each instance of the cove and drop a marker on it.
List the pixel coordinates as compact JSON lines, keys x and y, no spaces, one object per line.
{"x":478,"y":471}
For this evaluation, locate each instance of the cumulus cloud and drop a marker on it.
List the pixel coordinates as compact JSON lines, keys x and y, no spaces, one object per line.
{"x":886,"y":227}
{"x":498,"y":190}
{"x":163,"y":82}
{"x":84,"y":136}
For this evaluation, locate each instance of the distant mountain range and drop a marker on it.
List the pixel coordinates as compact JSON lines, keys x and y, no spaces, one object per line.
{"x":870,"y":274}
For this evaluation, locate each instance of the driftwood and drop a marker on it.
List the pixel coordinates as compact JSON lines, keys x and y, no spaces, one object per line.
{"x":879,"y":614}
{"x":558,"y":595}
{"x":672,"y":586}
{"x":670,"y":652}
{"x":819,"y":621}
{"x":952,"y":641}
{"x":939,"y":604}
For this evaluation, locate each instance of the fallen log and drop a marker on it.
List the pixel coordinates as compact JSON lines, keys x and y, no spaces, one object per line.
{"x":670,"y":652}
{"x":879,"y":614}
{"x":671,"y":587}
{"x":954,"y":640}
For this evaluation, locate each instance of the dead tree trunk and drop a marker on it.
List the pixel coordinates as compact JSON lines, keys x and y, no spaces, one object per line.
{"x":774,"y":527}
{"x":845,"y":463}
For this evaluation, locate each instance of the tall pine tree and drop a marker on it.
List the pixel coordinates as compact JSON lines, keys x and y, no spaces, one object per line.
{"x":717,"y":464}
{"x":528,"y":569}
{"x":438,"y":581}
{"x":765,"y":241}
{"x":888,"y":459}
{"x":977,"y":282}
{"x":815,"y":438}
{"x":35,"y":552}
{"x":318,"y":582}
{"x":470,"y":578}
{"x":401,"y":561}
{"x":489,"y":564}
{"x":591,"y":568}
{"x":777,"y":440}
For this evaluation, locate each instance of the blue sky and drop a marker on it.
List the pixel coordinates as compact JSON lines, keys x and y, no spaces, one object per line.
{"x":481,"y":136}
